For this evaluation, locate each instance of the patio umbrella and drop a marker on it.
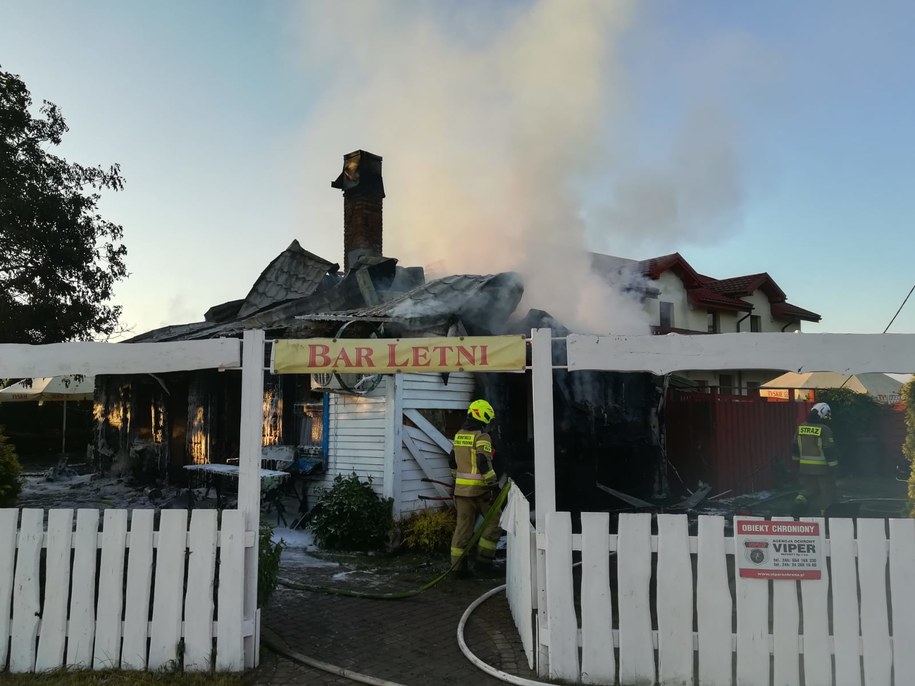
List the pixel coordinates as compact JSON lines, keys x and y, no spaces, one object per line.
{"x":881,"y":387}
{"x":51,"y":388}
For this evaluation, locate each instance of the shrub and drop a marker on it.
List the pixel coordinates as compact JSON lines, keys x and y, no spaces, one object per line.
{"x":429,"y":531}
{"x":908,"y":448}
{"x":350,"y":516}
{"x":10,"y":485}
{"x":268,"y":564}
{"x":854,"y":417}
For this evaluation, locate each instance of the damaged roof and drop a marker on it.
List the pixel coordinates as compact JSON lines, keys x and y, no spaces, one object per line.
{"x":481,"y":302}
{"x":294,"y":273}
{"x":299,"y":294}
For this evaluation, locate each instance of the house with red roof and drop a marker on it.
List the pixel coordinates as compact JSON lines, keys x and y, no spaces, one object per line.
{"x":678,"y":299}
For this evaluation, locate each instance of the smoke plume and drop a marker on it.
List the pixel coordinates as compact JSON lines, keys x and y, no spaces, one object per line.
{"x":495,"y":122}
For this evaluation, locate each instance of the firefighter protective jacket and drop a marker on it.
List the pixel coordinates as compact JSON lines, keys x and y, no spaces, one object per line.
{"x":472,"y":463}
{"x":814,"y":448}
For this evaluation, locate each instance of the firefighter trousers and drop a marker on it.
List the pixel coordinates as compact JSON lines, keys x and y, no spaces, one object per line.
{"x":467,"y":509}
{"x":818,"y":490}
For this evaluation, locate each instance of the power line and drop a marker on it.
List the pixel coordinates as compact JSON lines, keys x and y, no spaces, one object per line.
{"x":888,"y":325}
{"x":900,"y":309}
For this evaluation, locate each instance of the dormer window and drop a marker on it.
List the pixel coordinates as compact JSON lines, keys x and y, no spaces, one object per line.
{"x":714,"y":323}
{"x":667,"y":315}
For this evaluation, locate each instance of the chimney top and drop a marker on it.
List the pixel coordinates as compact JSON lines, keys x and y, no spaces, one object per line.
{"x":362,"y":172}
{"x":363,"y":197}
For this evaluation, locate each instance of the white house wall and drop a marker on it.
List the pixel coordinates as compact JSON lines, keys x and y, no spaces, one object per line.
{"x":356,"y":438}
{"x":672,"y":291}
{"x":361,"y":429}
{"x":429,"y":392}
{"x":763,"y":309}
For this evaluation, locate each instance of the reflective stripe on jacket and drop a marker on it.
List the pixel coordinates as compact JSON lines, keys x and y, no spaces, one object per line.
{"x":473,"y":458}
{"x":813,"y":443}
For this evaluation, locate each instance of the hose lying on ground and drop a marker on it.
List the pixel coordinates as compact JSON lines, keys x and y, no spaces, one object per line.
{"x":477,"y":662}
{"x":399,"y":595}
{"x":272,"y":641}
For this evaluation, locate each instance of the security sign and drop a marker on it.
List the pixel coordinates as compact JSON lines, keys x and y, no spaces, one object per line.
{"x":778,"y":550}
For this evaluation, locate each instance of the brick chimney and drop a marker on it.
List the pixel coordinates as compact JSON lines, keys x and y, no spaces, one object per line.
{"x":363,"y":193}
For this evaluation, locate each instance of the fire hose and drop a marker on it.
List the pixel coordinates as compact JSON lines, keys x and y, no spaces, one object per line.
{"x":437,"y":497}
{"x":492,"y":512}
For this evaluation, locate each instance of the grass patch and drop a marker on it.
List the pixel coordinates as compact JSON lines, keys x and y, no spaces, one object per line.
{"x":115,"y":678}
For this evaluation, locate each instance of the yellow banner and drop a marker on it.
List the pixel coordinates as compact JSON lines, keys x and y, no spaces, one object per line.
{"x":389,"y":355}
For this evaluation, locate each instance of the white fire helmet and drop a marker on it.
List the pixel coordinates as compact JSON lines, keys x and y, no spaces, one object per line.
{"x":823,"y":410}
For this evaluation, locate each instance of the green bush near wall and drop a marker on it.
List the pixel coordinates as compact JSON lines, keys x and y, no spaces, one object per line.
{"x":268,"y":564}
{"x":429,"y":531}
{"x":351,"y":516}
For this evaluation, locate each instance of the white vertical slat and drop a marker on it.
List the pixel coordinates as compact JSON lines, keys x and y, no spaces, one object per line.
{"x":139,"y":576}
{"x":598,"y":665}
{"x":785,"y":626}
{"x":250,"y":445}
{"x":815,"y":606}
{"x":714,"y":605}
{"x":53,"y":638}
{"x":393,"y":441}
{"x":902,"y":590}
{"x":752,"y":629}
{"x":561,"y":598}
{"x":198,"y":604}
{"x":168,"y":592}
{"x":845,"y":619}
{"x":875,"y":633}
{"x":674,"y":601}
{"x":81,"y":630}
{"x":544,"y":471}
{"x":543,"y":618}
{"x":9,"y":520}
{"x":634,"y":577}
{"x":107,"y":654}
{"x":26,"y":606}
{"x":229,"y":648}
{"x":518,"y":568}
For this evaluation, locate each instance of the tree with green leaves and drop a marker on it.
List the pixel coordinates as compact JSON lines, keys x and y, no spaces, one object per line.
{"x":908,"y":447}
{"x":59,"y":258}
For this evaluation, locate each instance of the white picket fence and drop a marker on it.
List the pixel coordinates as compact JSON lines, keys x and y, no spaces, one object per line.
{"x":675,"y":619}
{"x":128,"y":596}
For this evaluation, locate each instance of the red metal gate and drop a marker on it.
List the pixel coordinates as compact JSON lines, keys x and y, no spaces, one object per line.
{"x":733,"y":442}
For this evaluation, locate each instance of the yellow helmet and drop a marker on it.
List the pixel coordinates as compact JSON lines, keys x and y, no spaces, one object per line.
{"x":481,"y":411}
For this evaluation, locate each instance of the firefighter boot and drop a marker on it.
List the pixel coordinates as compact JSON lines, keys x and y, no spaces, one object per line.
{"x":462,"y":571}
{"x":485,"y":569}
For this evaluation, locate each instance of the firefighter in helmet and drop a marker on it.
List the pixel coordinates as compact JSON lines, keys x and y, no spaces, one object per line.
{"x":474,"y":485}
{"x":814,"y":451}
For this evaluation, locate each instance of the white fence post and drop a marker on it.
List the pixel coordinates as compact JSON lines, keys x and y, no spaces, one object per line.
{"x":544,"y":447}
{"x":250,"y":443}
{"x":544,"y":471}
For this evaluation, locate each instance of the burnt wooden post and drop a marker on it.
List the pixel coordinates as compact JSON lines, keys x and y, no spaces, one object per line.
{"x":249,"y":481}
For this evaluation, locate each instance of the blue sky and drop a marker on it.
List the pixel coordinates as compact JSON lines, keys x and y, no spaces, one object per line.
{"x":747,"y":136}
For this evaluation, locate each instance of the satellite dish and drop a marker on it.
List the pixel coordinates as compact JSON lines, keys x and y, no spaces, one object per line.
{"x":322,"y":378}
{"x":359,"y":384}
